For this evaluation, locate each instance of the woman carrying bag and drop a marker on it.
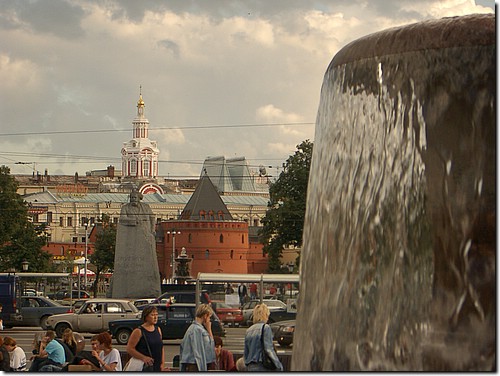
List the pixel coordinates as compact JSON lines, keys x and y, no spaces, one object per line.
{"x":259,"y":350}
{"x":145,"y":343}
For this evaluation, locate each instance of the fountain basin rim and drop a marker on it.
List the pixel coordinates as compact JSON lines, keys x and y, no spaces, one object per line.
{"x":465,"y":31}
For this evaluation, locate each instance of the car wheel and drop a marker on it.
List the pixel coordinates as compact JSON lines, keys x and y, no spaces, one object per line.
{"x":122,"y":336}
{"x":60,"y":328}
{"x":43,"y":322}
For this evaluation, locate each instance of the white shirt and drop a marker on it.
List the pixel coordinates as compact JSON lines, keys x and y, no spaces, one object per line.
{"x":112,"y":357}
{"x":17,"y":359}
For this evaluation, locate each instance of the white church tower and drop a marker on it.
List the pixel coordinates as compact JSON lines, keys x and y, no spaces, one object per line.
{"x":140,"y":154}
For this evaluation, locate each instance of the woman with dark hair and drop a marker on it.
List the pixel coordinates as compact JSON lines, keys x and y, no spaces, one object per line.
{"x":17,"y":355}
{"x":146,"y":343}
{"x":4,"y":357}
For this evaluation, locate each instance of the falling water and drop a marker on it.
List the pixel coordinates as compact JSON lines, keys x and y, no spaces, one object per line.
{"x":398,"y":264}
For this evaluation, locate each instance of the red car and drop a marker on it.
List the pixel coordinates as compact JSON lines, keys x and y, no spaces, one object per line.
{"x":227,"y":314}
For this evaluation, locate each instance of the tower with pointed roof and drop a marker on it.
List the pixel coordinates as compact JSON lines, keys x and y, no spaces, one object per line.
{"x":140,"y":154}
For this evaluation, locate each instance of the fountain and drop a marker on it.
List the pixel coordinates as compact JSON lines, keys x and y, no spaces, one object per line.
{"x":401,"y":206}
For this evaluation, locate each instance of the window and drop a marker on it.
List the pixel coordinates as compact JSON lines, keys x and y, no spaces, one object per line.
{"x":61,"y":221}
{"x":49,"y":217}
{"x":179,"y":313}
{"x":242,"y":239}
{"x":145,"y":168}
{"x":133,"y":167}
{"x":75,"y":239}
{"x":83,"y":239}
{"x":70,"y":221}
{"x":115,"y":220}
{"x":221,"y":238}
{"x":202,"y":214}
{"x":207,"y":254}
{"x":232,"y":253}
{"x":114,"y":308}
{"x":190,"y":238}
{"x":255,"y":222}
{"x":35,"y":217}
{"x":84,"y":220}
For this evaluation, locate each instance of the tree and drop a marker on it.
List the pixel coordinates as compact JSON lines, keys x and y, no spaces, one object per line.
{"x":104,"y":248}
{"x":20,"y":240}
{"x":284,"y":220}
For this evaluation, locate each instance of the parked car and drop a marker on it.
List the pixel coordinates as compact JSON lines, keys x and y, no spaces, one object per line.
{"x":272,"y":304}
{"x":37,"y":309}
{"x":227,"y":314}
{"x":32,"y":292}
{"x":283,"y":332}
{"x":183,"y":297}
{"x":141,"y":303}
{"x":94,"y":316}
{"x":281,"y":315}
{"x":173,"y":321}
{"x":65,"y":295}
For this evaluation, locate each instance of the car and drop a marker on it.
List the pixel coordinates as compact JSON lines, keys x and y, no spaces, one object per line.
{"x":173,"y":320}
{"x":227,"y":314}
{"x":94,"y":316}
{"x":281,"y":315}
{"x":283,"y":332}
{"x":32,"y":292}
{"x":272,"y":304}
{"x":183,"y":297}
{"x":37,"y":309}
{"x":141,"y":303}
{"x":65,"y":295}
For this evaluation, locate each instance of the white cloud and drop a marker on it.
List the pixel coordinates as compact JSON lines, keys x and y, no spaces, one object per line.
{"x":449,"y":8}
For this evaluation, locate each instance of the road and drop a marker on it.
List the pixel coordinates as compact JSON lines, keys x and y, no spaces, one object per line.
{"x":234,"y":341}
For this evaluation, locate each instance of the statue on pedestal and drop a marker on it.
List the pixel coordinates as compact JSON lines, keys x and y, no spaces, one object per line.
{"x":136,"y":272}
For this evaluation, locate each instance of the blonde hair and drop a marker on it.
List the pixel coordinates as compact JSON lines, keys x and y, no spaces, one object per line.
{"x":203,"y":309}
{"x":260,"y":313}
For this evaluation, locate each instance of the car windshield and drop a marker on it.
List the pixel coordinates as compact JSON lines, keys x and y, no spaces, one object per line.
{"x":275,"y":303}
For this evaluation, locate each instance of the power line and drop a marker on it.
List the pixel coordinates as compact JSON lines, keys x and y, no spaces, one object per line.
{"x":155,"y":129}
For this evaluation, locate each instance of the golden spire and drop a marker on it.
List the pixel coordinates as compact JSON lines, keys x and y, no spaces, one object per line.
{"x":140,"y":103}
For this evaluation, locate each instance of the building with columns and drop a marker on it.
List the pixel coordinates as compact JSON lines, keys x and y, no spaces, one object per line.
{"x":140,"y":154}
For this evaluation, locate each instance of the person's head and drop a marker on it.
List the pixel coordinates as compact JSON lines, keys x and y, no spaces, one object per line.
{"x":104,"y":340}
{"x":203,"y":310}
{"x":150,"y":314}
{"x":94,"y":342}
{"x":218,"y":344}
{"x":1,"y":306}
{"x":135,"y":197}
{"x":9,"y":343}
{"x":68,"y":336}
{"x":49,"y":335}
{"x":1,"y":341}
{"x":260,"y":313}
{"x":240,"y":365}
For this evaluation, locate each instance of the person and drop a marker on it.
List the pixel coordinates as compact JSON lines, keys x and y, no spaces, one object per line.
{"x":229,"y":289}
{"x":50,"y":356}
{"x":240,"y":365}
{"x":17,"y":355}
{"x":69,"y":339}
{"x":253,"y":343}
{"x":198,"y":346}
{"x":272,"y":290}
{"x":242,"y":293}
{"x":146,"y":342}
{"x":224,"y":359}
{"x":4,"y":357}
{"x":83,"y":356}
{"x":109,"y":358}
{"x":253,"y":291}
{"x":1,"y":317}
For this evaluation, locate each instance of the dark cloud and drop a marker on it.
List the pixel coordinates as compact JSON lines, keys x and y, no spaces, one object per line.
{"x":170,"y":46}
{"x":56,"y":17}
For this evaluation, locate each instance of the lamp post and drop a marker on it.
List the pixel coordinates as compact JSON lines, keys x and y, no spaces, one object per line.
{"x":85,"y":255}
{"x":173,"y":232}
{"x":25,"y":264}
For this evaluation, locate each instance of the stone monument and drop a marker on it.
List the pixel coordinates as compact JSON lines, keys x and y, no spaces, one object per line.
{"x":398,"y":265}
{"x":136,"y":273}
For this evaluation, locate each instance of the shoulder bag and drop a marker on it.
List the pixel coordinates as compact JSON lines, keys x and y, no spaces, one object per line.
{"x":267,"y":362}
{"x":147,"y":368}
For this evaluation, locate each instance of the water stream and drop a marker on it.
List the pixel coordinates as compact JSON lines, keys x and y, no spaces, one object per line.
{"x":398,"y":263}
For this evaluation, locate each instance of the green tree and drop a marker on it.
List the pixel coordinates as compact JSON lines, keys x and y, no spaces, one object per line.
{"x":104,"y":248}
{"x":20,"y":240}
{"x":284,"y":220}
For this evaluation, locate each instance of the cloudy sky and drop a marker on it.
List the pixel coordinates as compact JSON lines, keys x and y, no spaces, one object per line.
{"x":219,"y":77}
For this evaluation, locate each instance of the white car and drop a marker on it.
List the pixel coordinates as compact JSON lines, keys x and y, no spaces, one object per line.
{"x":272,"y":304}
{"x":93,"y":316}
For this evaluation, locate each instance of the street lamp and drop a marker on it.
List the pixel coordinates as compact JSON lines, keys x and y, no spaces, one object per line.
{"x":173,"y":232}
{"x":25,"y":264}
{"x":86,"y":224}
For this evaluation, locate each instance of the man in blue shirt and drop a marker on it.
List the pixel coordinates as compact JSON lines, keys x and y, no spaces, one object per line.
{"x":198,"y":346}
{"x":51,"y":355}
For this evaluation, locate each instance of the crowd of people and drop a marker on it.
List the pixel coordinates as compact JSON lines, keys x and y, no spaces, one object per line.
{"x":200,"y":350}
